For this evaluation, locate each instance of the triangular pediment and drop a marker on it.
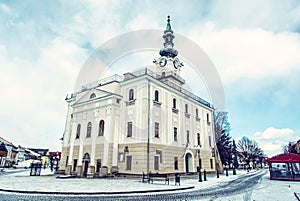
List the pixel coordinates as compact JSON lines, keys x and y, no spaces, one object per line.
{"x":90,"y":95}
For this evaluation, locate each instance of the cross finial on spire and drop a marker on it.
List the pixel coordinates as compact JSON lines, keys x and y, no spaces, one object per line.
{"x":168,"y":24}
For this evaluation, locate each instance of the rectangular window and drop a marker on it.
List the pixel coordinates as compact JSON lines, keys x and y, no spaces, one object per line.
{"x":128,"y":162}
{"x":175,"y":134}
{"x":156,"y":162}
{"x":198,"y":139}
{"x":67,"y":160}
{"x":175,"y":163}
{"x":209,"y":141}
{"x":156,"y":129}
{"x":98,"y":165}
{"x":207,"y":118}
{"x":197,"y":113}
{"x":159,"y":152}
{"x":129,"y":129}
{"x":74,"y":165}
{"x":186,"y":108}
{"x":187,"y":136}
{"x":211,"y":164}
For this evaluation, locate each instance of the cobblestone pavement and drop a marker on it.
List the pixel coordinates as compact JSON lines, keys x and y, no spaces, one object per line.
{"x":242,"y":184}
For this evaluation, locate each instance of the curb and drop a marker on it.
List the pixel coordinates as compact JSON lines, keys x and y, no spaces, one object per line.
{"x":95,"y":193}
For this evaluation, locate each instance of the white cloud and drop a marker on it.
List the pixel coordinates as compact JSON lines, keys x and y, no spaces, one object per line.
{"x":249,"y":53}
{"x":274,"y":133}
{"x":32,"y":105}
{"x":272,"y":139}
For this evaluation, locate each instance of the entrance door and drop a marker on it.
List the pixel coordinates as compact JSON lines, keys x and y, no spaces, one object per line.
{"x":85,"y":161}
{"x":188,"y":162}
{"x":86,"y":166}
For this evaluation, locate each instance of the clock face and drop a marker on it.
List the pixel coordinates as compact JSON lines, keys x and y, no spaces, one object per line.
{"x":176,"y":63}
{"x":162,"y":62}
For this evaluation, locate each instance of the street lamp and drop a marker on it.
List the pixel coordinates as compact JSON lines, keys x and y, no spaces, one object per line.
{"x":198,"y":148}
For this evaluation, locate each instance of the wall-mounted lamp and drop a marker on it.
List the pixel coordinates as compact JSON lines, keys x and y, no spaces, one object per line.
{"x":126,"y":150}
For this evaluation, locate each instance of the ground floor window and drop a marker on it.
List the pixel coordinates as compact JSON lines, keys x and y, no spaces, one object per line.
{"x":67,"y":160}
{"x":211,"y":164}
{"x":98,"y":165}
{"x":175,"y":163}
{"x":128,"y":162}
{"x":156,"y":162}
{"x":74,"y":165}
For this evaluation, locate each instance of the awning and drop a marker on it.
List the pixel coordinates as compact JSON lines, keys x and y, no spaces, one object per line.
{"x":285,"y":158}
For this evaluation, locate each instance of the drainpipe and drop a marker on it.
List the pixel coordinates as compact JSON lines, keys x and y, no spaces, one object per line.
{"x":148,"y":140}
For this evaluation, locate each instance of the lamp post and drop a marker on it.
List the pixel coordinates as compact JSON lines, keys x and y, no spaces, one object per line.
{"x":199,"y":160}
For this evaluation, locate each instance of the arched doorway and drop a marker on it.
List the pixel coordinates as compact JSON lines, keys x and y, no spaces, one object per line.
{"x":188,"y":163}
{"x":85,"y":162}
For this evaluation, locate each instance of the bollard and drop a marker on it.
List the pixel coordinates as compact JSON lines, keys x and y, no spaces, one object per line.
{"x":205,"y":175}
{"x":234,"y":171}
{"x":226,"y":172}
{"x":218,"y":176}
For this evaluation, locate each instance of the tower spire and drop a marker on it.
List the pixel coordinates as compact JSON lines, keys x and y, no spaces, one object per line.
{"x":168,"y":50}
{"x":168,"y":24}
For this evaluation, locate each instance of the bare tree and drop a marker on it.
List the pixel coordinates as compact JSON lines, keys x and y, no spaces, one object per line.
{"x":249,"y":151}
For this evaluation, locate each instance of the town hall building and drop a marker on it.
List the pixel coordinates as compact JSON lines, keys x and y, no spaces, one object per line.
{"x":140,"y":122}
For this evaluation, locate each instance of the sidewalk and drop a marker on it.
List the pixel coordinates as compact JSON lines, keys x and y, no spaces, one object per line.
{"x":47,"y":182}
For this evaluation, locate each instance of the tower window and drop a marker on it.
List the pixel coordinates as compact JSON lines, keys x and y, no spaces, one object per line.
{"x":198,"y":139}
{"x":78,"y":131}
{"x":156,"y":129}
{"x":101,"y":128}
{"x":129,"y":129}
{"x":89,"y":129}
{"x":175,"y":134}
{"x":174,"y":103}
{"x":131,"y":94}
{"x":187,"y":136}
{"x":156,"y":95}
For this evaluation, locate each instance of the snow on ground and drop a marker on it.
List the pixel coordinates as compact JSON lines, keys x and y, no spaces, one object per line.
{"x":266,"y":190}
{"x":48,"y":182}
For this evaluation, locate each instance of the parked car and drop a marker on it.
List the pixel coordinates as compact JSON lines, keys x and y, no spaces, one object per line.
{"x":25,"y":164}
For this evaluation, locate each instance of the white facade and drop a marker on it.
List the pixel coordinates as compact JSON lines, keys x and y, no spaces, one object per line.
{"x":139,"y":122}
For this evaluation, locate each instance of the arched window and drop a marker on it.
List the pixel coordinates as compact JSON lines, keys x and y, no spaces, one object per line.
{"x":156,"y":95}
{"x":131,"y":94}
{"x":78,"y":131}
{"x":174,"y":103}
{"x":93,"y":95}
{"x":89,"y":129}
{"x":101,"y":128}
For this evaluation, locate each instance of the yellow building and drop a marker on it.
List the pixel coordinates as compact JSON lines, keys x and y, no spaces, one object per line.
{"x":139,"y":122}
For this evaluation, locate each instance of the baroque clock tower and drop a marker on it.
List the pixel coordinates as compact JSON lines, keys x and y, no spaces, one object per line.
{"x":168,"y":64}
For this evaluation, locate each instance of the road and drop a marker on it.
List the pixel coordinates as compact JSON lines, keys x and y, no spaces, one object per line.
{"x":244,"y":184}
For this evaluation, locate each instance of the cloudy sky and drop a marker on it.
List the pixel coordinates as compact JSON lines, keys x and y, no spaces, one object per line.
{"x":254,"y":45}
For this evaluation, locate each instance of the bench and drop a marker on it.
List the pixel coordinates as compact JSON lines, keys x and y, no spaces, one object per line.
{"x":157,"y":176}
{"x":145,"y":178}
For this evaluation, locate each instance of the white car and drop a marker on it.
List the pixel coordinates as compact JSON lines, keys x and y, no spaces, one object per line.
{"x":25,"y":164}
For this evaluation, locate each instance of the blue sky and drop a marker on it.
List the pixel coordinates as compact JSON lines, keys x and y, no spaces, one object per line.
{"x":255,"y":46}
